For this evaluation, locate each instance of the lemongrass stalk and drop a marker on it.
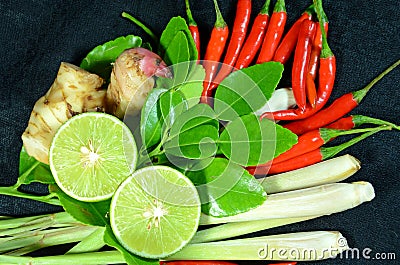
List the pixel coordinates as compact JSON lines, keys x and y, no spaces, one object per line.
{"x":281,"y":99}
{"x":16,"y":242}
{"x":26,"y":228}
{"x":234,"y":229}
{"x":109,"y":257}
{"x":303,"y":246}
{"x":328,"y":171}
{"x":91,"y":243}
{"x":13,"y":226}
{"x":59,"y":237}
{"x":321,"y":200}
{"x":11,"y":222}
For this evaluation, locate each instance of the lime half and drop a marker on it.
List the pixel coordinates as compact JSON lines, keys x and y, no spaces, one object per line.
{"x":155,"y":212}
{"x":91,"y":154}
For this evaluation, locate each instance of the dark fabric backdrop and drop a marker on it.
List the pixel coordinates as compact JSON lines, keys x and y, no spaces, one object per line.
{"x":35,"y":36}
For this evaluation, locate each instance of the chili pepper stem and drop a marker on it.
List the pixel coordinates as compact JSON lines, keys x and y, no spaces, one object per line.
{"x":361,"y":119}
{"x":141,"y":25}
{"x":329,"y":134}
{"x":265,"y":7}
{"x":189,"y":15}
{"x":328,"y":152}
{"x":220,"y":22}
{"x":360,"y":94}
{"x":322,"y":19}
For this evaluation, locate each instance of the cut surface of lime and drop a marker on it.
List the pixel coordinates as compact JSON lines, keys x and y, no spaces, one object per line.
{"x":91,"y":154}
{"x":155,"y":212}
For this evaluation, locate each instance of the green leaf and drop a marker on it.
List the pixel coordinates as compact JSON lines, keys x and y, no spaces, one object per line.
{"x":201,"y":114}
{"x":193,"y":134}
{"x":285,"y":139}
{"x":151,"y":119}
{"x":175,"y":25}
{"x":196,"y":143}
{"x":193,"y":85}
{"x":163,"y":82}
{"x":100,"y":59}
{"x":248,"y":141}
{"x":31,"y":170}
{"x":178,"y":50}
{"x":130,"y":259}
{"x":90,"y":213}
{"x":246,"y":90}
{"x":172,"y":104}
{"x":225,"y":188}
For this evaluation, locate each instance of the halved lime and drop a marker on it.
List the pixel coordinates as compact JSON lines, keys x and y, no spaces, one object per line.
{"x":91,"y":154}
{"x":155,"y":212}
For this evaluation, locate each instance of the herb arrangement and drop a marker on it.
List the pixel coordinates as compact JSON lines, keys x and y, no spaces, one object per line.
{"x":222,"y":138}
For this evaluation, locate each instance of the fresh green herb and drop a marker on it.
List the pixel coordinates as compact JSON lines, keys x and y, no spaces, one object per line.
{"x":90,"y":213}
{"x":129,"y":258}
{"x":194,"y":134}
{"x":172,"y":104}
{"x":177,"y":50}
{"x":31,"y":170}
{"x":250,"y":141}
{"x":176,"y":25}
{"x":100,"y":59}
{"x":225,"y":188}
{"x":246,"y":90}
{"x":151,"y":119}
{"x":193,"y":85}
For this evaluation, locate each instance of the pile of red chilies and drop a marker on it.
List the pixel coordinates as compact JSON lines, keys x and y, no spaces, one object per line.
{"x":306,"y":41}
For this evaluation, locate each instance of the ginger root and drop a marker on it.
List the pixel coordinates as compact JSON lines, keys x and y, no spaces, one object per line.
{"x":74,"y":91}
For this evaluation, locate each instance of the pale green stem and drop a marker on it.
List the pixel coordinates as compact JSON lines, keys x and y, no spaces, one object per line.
{"x":321,"y":200}
{"x":57,"y":218}
{"x":58,"y":237}
{"x":234,"y":229}
{"x":26,"y":228}
{"x":109,"y":257}
{"x":16,"y":243}
{"x":29,"y":238}
{"x":91,"y":243}
{"x":306,"y":246}
{"x":328,"y":171}
{"x":303,"y":246}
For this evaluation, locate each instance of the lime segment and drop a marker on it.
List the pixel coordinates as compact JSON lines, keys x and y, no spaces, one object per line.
{"x":91,"y":154}
{"x":155,"y":212}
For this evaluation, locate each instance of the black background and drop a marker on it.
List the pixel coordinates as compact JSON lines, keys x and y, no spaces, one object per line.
{"x":35,"y":36}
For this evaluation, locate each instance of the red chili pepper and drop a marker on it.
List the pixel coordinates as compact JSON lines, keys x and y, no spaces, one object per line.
{"x":353,"y":121}
{"x":195,"y":262}
{"x":239,"y":30}
{"x":274,"y":32}
{"x":311,"y":90}
{"x":308,"y":142}
{"x":254,"y":40}
{"x":316,"y":49}
{"x":340,"y":107}
{"x":314,"y":156}
{"x":194,"y":29}
{"x":215,"y":48}
{"x":301,"y":62}
{"x":327,"y":72}
{"x":286,"y":48}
